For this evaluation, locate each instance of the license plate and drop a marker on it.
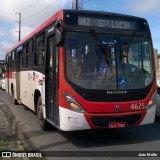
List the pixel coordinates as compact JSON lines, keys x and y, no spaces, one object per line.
{"x":117,"y":124}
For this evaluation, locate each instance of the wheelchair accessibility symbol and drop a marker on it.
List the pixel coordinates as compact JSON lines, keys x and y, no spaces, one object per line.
{"x":122,"y":81}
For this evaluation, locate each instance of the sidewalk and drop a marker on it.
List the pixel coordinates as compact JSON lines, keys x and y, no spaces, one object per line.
{"x":9,"y":140}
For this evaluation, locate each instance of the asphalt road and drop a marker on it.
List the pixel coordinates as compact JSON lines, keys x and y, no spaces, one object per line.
{"x":141,"y":139}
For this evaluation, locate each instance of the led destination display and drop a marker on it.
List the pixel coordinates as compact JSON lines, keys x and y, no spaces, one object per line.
{"x":107,"y":23}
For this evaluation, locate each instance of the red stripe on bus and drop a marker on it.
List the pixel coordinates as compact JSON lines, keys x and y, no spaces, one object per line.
{"x":9,"y":74}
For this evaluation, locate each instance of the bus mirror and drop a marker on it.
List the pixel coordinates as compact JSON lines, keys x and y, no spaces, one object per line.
{"x":58,"y":36}
{"x":58,"y":32}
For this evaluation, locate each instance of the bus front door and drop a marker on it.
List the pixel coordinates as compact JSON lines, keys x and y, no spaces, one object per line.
{"x":51,"y":92}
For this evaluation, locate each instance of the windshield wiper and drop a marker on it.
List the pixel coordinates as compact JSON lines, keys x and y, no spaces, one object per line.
{"x":100,"y":45}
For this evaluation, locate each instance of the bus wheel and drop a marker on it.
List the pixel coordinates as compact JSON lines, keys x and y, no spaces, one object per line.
{"x":13,"y":97}
{"x":43,"y":123}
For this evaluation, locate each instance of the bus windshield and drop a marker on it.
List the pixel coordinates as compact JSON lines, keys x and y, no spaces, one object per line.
{"x":129,"y":66}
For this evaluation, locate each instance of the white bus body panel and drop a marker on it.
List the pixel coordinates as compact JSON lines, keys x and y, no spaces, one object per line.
{"x":70,"y":120}
{"x":29,"y":83}
{"x":150,"y":116}
{"x":12,"y":81}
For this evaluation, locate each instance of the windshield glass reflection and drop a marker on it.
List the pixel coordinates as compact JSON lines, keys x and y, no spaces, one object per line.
{"x":87,"y":66}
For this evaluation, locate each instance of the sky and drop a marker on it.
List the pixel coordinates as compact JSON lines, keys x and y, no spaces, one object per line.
{"x":35,"y":12}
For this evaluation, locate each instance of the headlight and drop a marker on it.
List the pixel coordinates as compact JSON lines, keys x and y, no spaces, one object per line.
{"x":152,"y":101}
{"x":73,"y":104}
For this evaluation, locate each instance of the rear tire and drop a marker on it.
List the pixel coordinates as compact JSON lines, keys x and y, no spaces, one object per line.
{"x":43,"y":123}
{"x":13,"y":97}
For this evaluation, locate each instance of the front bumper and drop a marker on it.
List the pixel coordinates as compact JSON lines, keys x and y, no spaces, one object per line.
{"x":71,"y":121}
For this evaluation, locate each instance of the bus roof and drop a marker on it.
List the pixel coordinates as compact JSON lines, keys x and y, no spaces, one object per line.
{"x":48,"y":22}
{"x":59,"y":15}
{"x":102,"y":13}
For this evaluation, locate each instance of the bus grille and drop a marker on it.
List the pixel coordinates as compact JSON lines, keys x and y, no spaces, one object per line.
{"x":104,"y":121}
{"x":113,"y":98}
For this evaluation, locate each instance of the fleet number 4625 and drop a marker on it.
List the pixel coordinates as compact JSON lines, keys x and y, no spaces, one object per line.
{"x":137,"y":106}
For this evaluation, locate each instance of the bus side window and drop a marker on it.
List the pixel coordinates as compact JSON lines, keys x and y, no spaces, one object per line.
{"x":27,"y":55}
{"x":9,"y":61}
{"x":39,"y":53}
{"x":30,"y":53}
{"x":23,"y":57}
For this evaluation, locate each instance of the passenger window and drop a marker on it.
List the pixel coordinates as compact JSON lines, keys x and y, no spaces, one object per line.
{"x":40,"y":52}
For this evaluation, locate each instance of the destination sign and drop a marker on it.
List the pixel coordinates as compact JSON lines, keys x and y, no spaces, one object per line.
{"x":107,"y":23}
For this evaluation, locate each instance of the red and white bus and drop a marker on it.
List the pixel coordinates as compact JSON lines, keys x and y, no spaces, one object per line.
{"x":85,"y":70}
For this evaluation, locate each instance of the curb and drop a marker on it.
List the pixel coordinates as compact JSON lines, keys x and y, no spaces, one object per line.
{"x":19,"y":138}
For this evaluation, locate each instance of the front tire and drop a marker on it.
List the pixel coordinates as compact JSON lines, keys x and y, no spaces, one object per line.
{"x":43,"y":123}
